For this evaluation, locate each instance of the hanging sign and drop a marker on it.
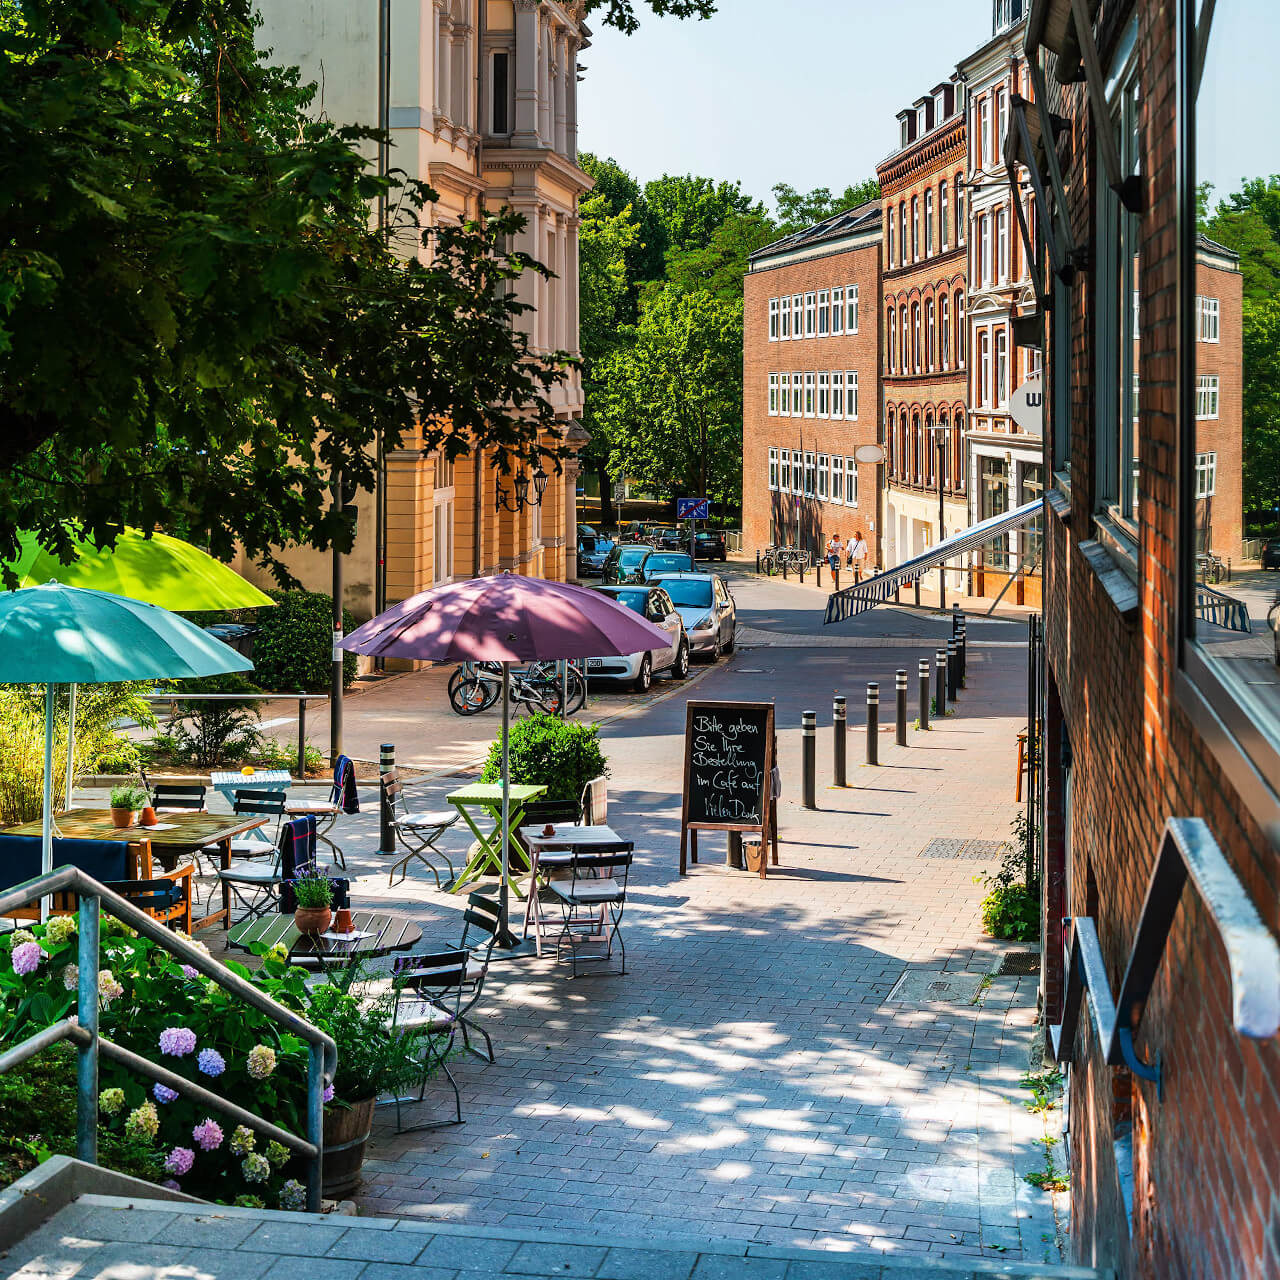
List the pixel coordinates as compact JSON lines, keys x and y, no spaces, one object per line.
{"x":1026,"y":406}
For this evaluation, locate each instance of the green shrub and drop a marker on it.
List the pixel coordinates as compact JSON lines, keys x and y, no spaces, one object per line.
{"x":1012,"y":912}
{"x":293,"y":649}
{"x":562,"y":755}
{"x":275,"y":754}
{"x":218,"y":732}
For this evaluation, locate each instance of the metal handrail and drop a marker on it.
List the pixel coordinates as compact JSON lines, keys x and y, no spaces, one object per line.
{"x":82,"y":1029}
{"x":1188,"y":851}
{"x":1221,"y":609}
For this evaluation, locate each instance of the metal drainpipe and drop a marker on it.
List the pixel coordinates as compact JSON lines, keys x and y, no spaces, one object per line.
{"x":475,"y":515}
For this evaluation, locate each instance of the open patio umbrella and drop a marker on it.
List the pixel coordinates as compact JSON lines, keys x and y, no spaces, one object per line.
{"x":505,"y":619}
{"x":159,"y":569}
{"x":55,"y":634}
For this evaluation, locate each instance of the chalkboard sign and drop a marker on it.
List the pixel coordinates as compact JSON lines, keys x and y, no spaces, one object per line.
{"x":728,"y":764}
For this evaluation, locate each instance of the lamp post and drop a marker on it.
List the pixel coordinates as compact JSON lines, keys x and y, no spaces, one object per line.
{"x":940,"y":434}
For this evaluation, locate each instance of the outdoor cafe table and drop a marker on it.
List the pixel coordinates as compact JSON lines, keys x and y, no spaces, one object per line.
{"x":384,"y":934}
{"x":177,"y":835}
{"x":229,"y":781}
{"x":477,"y":800}
{"x":557,"y":850}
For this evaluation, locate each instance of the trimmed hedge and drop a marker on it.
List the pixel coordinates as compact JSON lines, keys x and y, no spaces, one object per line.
{"x":293,"y":649}
{"x":562,"y":755}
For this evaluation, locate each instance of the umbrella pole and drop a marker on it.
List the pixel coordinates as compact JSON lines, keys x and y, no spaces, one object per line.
{"x":505,"y":937}
{"x":71,"y":749}
{"x":46,"y":827}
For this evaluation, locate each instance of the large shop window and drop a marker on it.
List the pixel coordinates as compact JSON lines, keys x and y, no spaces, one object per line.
{"x":1229,"y":304}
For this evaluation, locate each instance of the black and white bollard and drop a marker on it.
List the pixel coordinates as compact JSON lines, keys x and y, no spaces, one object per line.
{"x":924,"y":693}
{"x":873,"y":722}
{"x":940,"y":683}
{"x":809,"y":757}
{"x":962,"y":651}
{"x":953,"y":672}
{"x":900,"y":689}
{"x":386,"y":830}
{"x":839,"y":722}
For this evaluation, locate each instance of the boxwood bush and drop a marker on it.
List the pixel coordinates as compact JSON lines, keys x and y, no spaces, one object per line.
{"x":562,"y":755}
{"x":293,"y":649}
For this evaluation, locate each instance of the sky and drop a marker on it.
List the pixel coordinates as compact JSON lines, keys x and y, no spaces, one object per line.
{"x":802,"y":91}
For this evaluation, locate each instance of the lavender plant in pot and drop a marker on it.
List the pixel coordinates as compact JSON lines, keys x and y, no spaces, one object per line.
{"x":314,"y":894}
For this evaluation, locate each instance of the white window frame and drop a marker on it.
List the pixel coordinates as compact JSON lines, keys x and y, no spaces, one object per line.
{"x":915,"y":228}
{"x":902,"y":234}
{"x":773,"y":395}
{"x":928,"y":223}
{"x":824,"y":313}
{"x":797,"y":316}
{"x":930,"y":332}
{"x":837,"y":393}
{"x":837,"y":480}
{"x":1206,"y":474}
{"x":851,"y":308}
{"x":824,"y":395}
{"x":1002,"y":367}
{"x":837,"y":312}
{"x":773,"y":319}
{"x":891,"y":332}
{"x":810,"y":474}
{"x":889,"y":245}
{"x":810,"y":313}
{"x":797,"y":398}
{"x":824,"y":477}
{"x":784,"y":396}
{"x":984,"y":367}
{"x":774,"y":472}
{"x":851,"y":394}
{"x":984,"y":243}
{"x":1002,"y":244}
{"x":943,"y":226}
{"x":944,"y":330}
{"x":1208,"y":319}
{"x":1208,"y":397}
{"x":850,"y":482}
{"x":809,"y":407}
{"x":784,"y":484}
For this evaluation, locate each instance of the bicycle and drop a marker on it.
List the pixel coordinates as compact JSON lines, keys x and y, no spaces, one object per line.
{"x":1212,"y":568}
{"x":477,"y":686}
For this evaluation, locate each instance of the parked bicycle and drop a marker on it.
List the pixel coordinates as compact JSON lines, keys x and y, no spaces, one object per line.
{"x":1212,"y":568}
{"x":775,"y":559}
{"x":477,"y":686}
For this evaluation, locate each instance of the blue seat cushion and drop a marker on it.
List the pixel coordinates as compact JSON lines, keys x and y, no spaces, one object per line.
{"x":104,"y":860}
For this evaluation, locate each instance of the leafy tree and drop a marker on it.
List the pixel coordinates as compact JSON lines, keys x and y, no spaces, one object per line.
{"x":797,"y":210}
{"x":690,"y":208}
{"x":1262,"y":408}
{"x":199,"y":321}
{"x":621,"y":13}
{"x":622,"y":193}
{"x":672,"y":397}
{"x":720,"y":265}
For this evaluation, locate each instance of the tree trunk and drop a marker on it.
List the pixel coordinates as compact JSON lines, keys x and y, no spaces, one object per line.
{"x":607,"y":513}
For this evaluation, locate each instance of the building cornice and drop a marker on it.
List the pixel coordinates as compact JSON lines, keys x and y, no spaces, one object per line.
{"x":920,"y":155}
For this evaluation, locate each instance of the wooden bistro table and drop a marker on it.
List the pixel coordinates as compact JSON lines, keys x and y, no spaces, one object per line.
{"x":485,"y":798}
{"x":553,"y":851}
{"x":382,"y":934}
{"x":177,"y":835}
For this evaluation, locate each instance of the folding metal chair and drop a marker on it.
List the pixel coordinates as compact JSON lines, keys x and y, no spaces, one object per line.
{"x":595,"y":802}
{"x":172,"y":797}
{"x":255,"y":881}
{"x":417,"y":832}
{"x":480,"y":924}
{"x":326,"y":812}
{"x":592,"y":898}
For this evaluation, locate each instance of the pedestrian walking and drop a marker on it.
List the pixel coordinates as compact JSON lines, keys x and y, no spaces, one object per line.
{"x":857,"y":555}
{"x":835,"y":549}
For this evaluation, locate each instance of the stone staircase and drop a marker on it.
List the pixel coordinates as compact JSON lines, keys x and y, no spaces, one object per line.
{"x":46,"y":1236}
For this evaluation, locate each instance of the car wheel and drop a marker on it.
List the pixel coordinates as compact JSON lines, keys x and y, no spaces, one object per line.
{"x":681,"y":668}
{"x":716,"y":648}
{"x":644,"y":677}
{"x":733,"y":639}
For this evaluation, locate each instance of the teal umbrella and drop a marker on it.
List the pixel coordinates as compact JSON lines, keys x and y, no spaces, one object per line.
{"x":53,"y":634}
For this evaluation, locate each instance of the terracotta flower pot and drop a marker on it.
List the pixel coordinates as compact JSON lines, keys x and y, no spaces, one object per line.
{"x":312,"y":919}
{"x":346,"y":1131}
{"x":122,"y":817}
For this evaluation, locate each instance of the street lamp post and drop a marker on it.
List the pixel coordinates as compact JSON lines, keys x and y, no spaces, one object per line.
{"x":939,"y":432}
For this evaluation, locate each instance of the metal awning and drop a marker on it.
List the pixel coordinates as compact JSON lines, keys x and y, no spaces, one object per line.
{"x":1032,"y":144}
{"x":866,"y":595}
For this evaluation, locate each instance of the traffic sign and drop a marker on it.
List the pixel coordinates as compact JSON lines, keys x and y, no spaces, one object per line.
{"x":693,"y":508}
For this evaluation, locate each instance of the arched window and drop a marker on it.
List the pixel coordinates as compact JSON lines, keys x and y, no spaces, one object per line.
{"x":960,"y":334}
{"x":945,"y":436}
{"x":929,"y":335}
{"x":904,"y":347}
{"x":917,"y":470}
{"x":930,"y":447}
{"x":889,"y":427}
{"x":944,"y":334}
{"x":957,"y":451}
{"x":902,"y":234}
{"x":915,"y":336}
{"x":961,"y":232}
{"x":944,"y":221}
{"x":890,"y":330}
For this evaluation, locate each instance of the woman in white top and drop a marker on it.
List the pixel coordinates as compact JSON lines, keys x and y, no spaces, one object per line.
{"x":857,"y":555}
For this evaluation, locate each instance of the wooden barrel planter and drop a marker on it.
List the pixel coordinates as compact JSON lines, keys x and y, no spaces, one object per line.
{"x":346,"y":1131}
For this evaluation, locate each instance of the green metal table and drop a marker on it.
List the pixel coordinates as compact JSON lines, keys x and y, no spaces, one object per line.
{"x":474,"y":802}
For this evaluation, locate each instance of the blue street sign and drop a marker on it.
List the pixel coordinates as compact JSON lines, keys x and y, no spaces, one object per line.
{"x":693,"y":508}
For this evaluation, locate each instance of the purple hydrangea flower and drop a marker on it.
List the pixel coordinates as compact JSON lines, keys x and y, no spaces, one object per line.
{"x":327,"y":1096}
{"x":179,"y":1161}
{"x":211,"y":1062}
{"x":26,"y":958}
{"x":207,"y":1135}
{"x":190,"y":971}
{"x":177,"y":1041}
{"x":162,"y":1093}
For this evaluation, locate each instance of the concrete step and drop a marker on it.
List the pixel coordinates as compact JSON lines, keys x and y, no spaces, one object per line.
{"x":113,"y":1237}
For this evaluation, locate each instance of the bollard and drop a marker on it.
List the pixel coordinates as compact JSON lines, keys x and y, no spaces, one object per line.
{"x":817,"y":568}
{"x":839,"y":721}
{"x":302,"y":738}
{"x":900,"y":688}
{"x":916,"y":585}
{"x":802,"y":572}
{"x":387,"y":831}
{"x":962,"y":651}
{"x":924,"y":693}
{"x":784,"y":568}
{"x":873,"y":722}
{"x":953,"y":672}
{"x":835,"y":578}
{"x":940,"y":683}
{"x":757,"y":561}
{"x":809,"y":758}
{"x":955,"y":618}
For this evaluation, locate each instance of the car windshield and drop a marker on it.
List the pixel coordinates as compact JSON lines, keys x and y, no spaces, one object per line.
{"x":691,"y":593}
{"x":633,"y":600}
{"x":630,"y":556}
{"x":667,"y":564}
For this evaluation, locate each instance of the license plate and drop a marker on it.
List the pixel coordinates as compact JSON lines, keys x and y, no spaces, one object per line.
{"x":595,"y":664}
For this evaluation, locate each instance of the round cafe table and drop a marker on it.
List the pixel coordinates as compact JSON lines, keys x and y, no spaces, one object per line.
{"x":384,"y":934}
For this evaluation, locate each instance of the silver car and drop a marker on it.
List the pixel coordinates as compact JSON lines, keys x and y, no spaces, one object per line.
{"x":707,"y":609}
{"x":653,"y":604}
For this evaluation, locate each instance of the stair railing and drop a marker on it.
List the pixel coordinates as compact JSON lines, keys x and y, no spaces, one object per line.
{"x":82,"y":1028}
{"x":1188,"y":851}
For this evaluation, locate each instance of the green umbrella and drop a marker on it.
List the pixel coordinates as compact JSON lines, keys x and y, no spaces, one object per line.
{"x":55,"y":634}
{"x":159,"y":569}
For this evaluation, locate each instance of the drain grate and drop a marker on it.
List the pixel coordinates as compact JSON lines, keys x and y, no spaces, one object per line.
{"x":963,"y":847}
{"x":935,"y":986}
{"x":1019,"y":964}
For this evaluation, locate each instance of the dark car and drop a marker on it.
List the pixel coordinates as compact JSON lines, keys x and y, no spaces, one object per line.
{"x":709,"y":544}
{"x":657,"y":563}
{"x":633,"y":531}
{"x":1271,"y":553}
{"x":592,"y":554}
{"x":622,"y":564}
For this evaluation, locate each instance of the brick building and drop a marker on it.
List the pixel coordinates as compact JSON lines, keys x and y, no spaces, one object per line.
{"x":1162,"y":725}
{"x":811,"y":385}
{"x":1005,"y":461}
{"x":922,"y":308}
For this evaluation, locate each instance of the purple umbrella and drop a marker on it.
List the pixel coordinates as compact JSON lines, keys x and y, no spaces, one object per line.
{"x":505,"y":619}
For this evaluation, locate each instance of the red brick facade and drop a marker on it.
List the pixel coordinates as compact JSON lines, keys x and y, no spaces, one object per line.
{"x":1187,"y":1184}
{"x":827,"y":279}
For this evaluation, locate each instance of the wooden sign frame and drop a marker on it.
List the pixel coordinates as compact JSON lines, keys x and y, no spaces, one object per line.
{"x":768,"y":826}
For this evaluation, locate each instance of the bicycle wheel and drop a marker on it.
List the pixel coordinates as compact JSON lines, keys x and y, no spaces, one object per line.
{"x":469,"y":693}
{"x":1273,"y":614}
{"x":577,"y":693}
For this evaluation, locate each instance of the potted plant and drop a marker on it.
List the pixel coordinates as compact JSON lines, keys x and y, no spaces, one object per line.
{"x":374,"y":1057}
{"x":125,"y":803}
{"x":313,"y":892}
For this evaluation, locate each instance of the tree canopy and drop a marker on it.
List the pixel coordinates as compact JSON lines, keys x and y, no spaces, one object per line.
{"x":797,"y":210}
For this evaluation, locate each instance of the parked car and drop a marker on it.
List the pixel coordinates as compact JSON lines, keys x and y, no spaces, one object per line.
{"x":1271,"y":553}
{"x":671,"y":537}
{"x":710,"y":544}
{"x":592,"y":554}
{"x":707,"y":609}
{"x":657,"y":563}
{"x":622,"y":564}
{"x":653,"y":604}
{"x":633,"y":531}
{"x":586,"y":531}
